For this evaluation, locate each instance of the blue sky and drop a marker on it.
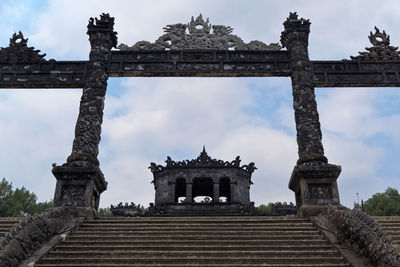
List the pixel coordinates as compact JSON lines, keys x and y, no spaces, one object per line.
{"x":147,"y":119}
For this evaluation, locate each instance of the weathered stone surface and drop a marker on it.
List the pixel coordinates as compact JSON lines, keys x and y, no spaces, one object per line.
{"x":365,"y":235}
{"x":315,"y":187}
{"x":18,"y":51}
{"x":381,"y":50}
{"x":202,"y":176}
{"x":32,"y":232}
{"x":88,"y":127}
{"x":79,"y":188}
{"x":309,"y":136}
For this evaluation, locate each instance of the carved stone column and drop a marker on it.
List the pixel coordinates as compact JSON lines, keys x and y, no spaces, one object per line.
{"x":215,"y":191}
{"x":312,"y":173}
{"x":171,"y":191}
{"x":188,"y":192}
{"x":82,"y":167}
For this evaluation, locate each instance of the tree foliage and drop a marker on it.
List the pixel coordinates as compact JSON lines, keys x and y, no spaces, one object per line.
{"x":384,"y":204}
{"x":265,"y":209}
{"x":105,"y":212}
{"x":19,"y":202}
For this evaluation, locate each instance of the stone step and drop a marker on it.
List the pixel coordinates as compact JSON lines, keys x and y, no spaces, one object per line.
{"x":193,"y":264}
{"x":197,"y":221}
{"x":391,"y":228}
{"x":187,"y":243}
{"x":195,"y":241}
{"x":262,"y":228}
{"x":187,"y":259}
{"x":198,"y":226}
{"x":200,"y":220}
{"x":11,"y":219}
{"x":195,"y":247}
{"x":195,"y":254}
{"x":216,"y":236}
{"x":195,"y":232}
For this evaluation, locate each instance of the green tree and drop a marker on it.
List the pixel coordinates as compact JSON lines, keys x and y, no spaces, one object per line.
{"x":5,"y":194}
{"x":105,"y":212}
{"x":265,"y":209}
{"x":384,"y":204}
{"x":19,"y":202}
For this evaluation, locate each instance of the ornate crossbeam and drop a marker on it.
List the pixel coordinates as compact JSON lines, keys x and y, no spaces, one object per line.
{"x":71,"y":74}
{"x":199,"y":54}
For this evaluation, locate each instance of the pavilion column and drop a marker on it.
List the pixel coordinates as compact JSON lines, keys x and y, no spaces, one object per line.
{"x":313,"y":180}
{"x":233,"y":187}
{"x":82,"y":168}
{"x":215,"y":191}
{"x":189,"y":198}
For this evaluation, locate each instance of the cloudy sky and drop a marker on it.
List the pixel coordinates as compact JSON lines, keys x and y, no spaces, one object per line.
{"x":147,"y":119}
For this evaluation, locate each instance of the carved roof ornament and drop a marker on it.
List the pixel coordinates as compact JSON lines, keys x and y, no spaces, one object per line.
{"x":202,"y":161}
{"x":199,"y":36}
{"x":18,"y":51}
{"x":381,"y":49}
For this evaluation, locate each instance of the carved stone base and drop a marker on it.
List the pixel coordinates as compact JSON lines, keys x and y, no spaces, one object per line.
{"x":79,"y":189}
{"x":315,"y":187}
{"x":202,"y":209}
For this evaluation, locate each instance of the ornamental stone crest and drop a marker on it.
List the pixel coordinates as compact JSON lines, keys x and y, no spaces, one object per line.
{"x":381,"y":50}
{"x":202,"y":161}
{"x":18,"y":51}
{"x":201,"y":35}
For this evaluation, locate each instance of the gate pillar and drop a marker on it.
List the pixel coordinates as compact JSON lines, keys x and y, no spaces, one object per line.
{"x":313,"y":180}
{"x":80,"y":180}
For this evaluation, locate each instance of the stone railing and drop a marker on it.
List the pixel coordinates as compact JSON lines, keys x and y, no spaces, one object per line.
{"x":31,"y":233}
{"x":365,"y":235}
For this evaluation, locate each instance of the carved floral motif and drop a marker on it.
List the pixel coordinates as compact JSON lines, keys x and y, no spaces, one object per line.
{"x":199,"y":37}
{"x":18,"y":51}
{"x":381,"y":49}
{"x":202,"y":161}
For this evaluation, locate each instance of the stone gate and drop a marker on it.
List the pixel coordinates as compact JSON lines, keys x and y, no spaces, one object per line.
{"x":197,"y":49}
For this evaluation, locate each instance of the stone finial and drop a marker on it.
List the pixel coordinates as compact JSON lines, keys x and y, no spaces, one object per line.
{"x":194,"y":28}
{"x":295,"y":29}
{"x":104,"y":24}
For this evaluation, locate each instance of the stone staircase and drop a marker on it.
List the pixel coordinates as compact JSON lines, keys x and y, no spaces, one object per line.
{"x":6,"y":223}
{"x":391,"y":225}
{"x":195,"y":241}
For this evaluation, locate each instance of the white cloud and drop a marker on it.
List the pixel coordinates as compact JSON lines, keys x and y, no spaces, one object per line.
{"x":37,"y":128}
